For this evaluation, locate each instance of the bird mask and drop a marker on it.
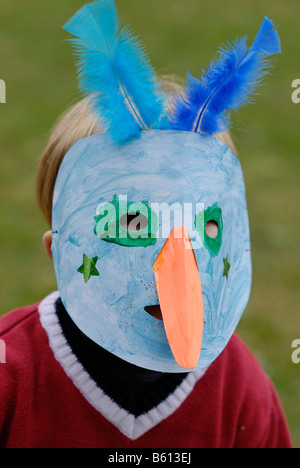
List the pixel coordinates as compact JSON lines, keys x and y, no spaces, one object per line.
{"x":151,"y":243}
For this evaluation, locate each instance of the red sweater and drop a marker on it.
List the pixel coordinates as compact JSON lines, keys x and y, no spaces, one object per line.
{"x":233,"y":404}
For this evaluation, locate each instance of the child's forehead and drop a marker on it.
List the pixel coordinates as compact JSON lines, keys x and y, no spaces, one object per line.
{"x":159,"y":161}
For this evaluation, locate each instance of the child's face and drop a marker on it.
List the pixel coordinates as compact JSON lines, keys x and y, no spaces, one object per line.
{"x":104,"y":259}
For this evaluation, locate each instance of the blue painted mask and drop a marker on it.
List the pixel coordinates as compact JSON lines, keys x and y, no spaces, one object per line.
{"x":156,"y":299}
{"x":196,"y":179}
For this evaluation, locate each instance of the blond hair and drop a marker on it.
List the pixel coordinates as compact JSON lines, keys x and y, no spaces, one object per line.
{"x":78,"y":122}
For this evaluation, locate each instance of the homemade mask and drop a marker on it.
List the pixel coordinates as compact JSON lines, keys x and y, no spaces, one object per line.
{"x":151,"y":242}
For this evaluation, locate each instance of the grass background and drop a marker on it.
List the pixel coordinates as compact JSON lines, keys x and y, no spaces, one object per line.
{"x":38,"y":69}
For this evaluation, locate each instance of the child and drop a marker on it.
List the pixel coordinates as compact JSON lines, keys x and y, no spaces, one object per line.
{"x":137,"y":348}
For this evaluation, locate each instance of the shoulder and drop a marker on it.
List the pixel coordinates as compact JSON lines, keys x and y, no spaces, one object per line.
{"x":238,"y":370}
{"x":12,"y":321}
{"x":244,"y":377}
{"x":16,"y":358}
{"x":242,"y":365}
{"x":250,"y":403}
{"x":20,"y":334}
{"x":25,"y":346}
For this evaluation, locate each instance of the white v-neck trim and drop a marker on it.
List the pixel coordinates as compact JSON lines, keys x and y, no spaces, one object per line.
{"x":130,"y":425}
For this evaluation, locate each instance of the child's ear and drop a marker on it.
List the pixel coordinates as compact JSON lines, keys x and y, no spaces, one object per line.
{"x":47,"y":241}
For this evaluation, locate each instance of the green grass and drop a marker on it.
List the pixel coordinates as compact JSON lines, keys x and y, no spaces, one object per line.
{"x":179,"y":34}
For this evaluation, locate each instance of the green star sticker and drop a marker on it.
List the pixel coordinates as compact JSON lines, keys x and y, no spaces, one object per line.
{"x":227,"y":266}
{"x":88,"y":268}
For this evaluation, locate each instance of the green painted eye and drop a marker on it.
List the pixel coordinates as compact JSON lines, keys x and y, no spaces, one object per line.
{"x":209,"y":225}
{"x":126,"y":223}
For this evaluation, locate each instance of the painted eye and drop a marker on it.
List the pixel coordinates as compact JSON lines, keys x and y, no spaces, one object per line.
{"x":134,"y":222}
{"x":209,"y":224}
{"x":132,"y":225}
{"x":212,"y":229}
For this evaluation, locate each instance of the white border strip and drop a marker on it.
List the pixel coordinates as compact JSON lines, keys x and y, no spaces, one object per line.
{"x":131,"y":426}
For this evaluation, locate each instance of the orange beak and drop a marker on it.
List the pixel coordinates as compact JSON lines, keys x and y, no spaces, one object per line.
{"x":180,"y":295}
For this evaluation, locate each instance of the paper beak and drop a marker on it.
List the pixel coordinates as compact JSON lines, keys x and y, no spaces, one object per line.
{"x":180,"y":295}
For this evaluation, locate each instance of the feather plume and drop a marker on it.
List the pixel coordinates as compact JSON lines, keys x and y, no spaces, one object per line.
{"x":228,"y":84}
{"x":114,"y":69}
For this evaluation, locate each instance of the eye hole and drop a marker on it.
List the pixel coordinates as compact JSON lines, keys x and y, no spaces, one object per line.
{"x":209,"y":225}
{"x":134,"y":222}
{"x":212,"y":229}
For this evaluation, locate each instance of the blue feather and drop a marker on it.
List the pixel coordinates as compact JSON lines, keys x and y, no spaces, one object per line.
{"x":114,"y":69}
{"x":228,"y":84}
